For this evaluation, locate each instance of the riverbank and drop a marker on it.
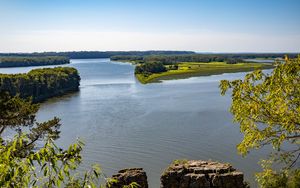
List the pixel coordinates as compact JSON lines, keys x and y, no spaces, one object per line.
{"x":191,"y":69}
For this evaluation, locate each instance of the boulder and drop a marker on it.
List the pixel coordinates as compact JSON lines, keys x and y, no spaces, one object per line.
{"x":201,"y":174}
{"x":127,"y":176}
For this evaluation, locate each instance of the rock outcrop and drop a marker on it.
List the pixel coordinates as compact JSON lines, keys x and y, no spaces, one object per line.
{"x":186,"y":174}
{"x":201,"y":174}
{"x":127,"y":176}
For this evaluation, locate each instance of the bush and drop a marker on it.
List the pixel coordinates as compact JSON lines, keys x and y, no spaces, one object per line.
{"x":150,"y":68}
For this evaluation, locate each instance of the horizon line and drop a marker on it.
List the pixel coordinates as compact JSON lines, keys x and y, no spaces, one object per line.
{"x":197,"y":52}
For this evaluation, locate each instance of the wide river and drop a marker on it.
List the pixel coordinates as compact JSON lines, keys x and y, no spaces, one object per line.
{"x":127,"y":124}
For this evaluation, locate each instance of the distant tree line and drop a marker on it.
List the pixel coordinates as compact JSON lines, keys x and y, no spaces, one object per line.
{"x":41,"y":84}
{"x":18,"y":61}
{"x":170,"y":59}
{"x":135,"y":58}
{"x":95,"y":54}
{"x":150,"y":68}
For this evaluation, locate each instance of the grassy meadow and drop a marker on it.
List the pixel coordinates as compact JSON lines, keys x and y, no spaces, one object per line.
{"x":190,"y":69}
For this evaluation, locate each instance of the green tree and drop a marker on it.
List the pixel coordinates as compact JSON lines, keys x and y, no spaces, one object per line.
{"x":19,"y":61}
{"x":150,"y":68}
{"x":23,"y":164}
{"x":267,"y":108}
{"x":31,"y":158}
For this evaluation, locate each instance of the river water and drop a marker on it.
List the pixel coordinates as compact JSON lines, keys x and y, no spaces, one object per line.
{"x":127,"y":124}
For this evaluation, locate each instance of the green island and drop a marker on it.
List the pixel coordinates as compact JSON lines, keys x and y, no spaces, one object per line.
{"x":41,"y":84}
{"x":190,"y":69}
{"x":23,"y":61}
{"x":154,"y":68}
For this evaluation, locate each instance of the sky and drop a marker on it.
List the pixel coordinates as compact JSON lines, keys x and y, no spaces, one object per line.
{"x":111,"y":25}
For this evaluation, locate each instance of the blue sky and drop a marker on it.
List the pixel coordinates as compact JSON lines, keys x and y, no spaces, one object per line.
{"x":198,"y":25}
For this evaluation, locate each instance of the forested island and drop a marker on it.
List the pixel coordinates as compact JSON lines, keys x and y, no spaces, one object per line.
{"x":24,"y":61}
{"x":41,"y":84}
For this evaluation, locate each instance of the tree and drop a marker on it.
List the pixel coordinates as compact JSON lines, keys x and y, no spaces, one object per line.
{"x":150,"y":68}
{"x":23,"y":164}
{"x":19,"y":61}
{"x":267,"y":107}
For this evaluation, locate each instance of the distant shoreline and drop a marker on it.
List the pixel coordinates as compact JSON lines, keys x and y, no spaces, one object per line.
{"x":18,"y":61}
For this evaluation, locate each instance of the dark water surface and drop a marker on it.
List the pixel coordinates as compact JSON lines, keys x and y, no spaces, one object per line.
{"x":127,"y":124}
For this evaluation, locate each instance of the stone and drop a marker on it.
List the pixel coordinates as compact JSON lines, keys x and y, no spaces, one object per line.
{"x":128,"y":176}
{"x":198,"y":180}
{"x":201,"y":174}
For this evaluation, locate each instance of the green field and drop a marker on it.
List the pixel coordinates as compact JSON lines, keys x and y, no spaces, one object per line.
{"x":190,"y":69}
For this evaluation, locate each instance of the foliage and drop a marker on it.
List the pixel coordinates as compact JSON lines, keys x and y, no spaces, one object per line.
{"x":150,"y":68}
{"x":132,"y":185}
{"x":173,"y":67}
{"x":267,"y":107}
{"x":168,"y":59}
{"x":31,"y":158}
{"x":233,"y":61}
{"x":48,"y":166}
{"x":19,"y":61}
{"x":180,"y":162}
{"x":20,"y":156}
{"x":95,"y":54}
{"x":15,"y":113}
{"x":129,"y":58}
{"x":270,"y":178}
{"x":41,"y":84}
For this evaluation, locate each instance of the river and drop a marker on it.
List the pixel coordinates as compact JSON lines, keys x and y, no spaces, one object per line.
{"x":127,"y":124}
